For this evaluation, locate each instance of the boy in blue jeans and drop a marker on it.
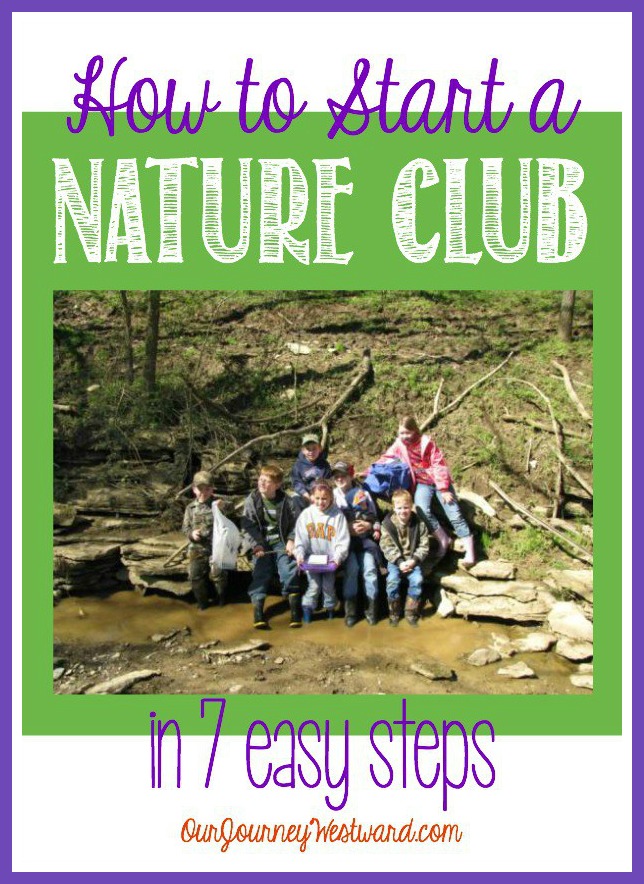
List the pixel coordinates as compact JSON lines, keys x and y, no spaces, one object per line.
{"x":268,"y":523}
{"x":405,"y":544}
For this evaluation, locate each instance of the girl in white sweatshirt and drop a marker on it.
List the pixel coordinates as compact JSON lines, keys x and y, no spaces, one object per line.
{"x":321,"y":529}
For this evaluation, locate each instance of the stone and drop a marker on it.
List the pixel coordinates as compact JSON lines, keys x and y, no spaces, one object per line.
{"x":584,"y":680}
{"x":58,"y":672}
{"x":235,"y":688}
{"x":494,"y":570}
{"x":279,"y":661}
{"x":516,"y":522}
{"x":534,"y":643}
{"x":445,"y":607}
{"x":567,"y":618}
{"x":483,"y":656}
{"x":434,"y":670}
{"x":503,"y":608}
{"x":517,"y":670}
{"x":298,"y":349}
{"x":584,"y":668}
{"x":574,"y":650}
{"x":467,"y":585}
{"x":64,"y":515}
{"x":164,"y":636}
{"x":579,"y":581}
{"x":503,"y":645}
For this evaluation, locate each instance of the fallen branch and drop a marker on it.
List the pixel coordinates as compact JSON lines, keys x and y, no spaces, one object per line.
{"x":557,"y":431}
{"x":239,"y":649}
{"x":535,"y":425}
{"x":122,"y":682}
{"x":365,"y":370}
{"x":588,"y":488}
{"x":176,"y":554}
{"x":525,"y":513}
{"x":433,"y":419}
{"x":572,"y":393}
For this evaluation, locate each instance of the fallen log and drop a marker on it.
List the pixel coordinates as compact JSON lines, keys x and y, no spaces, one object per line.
{"x":580,"y":552}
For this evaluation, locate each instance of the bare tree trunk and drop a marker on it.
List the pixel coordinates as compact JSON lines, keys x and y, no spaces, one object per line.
{"x":129,"y":353}
{"x":152,"y":341}
{"x":566,"y":314}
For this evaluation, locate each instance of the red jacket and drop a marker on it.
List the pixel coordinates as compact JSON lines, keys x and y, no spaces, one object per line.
{"x":432,"y":459}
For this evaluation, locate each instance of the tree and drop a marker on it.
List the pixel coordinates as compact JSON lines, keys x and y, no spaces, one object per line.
{"x":152,"y":341}
{"x":129,"y":353}
{"x":566,"y":315}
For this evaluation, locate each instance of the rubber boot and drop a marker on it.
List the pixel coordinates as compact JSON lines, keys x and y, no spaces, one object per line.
{"x":350,"y":612}
{"x":412,"y":610}
{"x":220,"y":582}
{"x":444,"y":542}
{"x":469,"y":559}
{"x":295,"y":605}
{"x":394,"y":611}
{"x":307,"y":614}
{"x":259,"y":620}
{"x":370,"y":613}
{"x":200,"y":591}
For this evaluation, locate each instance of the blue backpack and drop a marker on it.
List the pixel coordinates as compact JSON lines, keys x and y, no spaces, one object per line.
{"x":385,"y":478}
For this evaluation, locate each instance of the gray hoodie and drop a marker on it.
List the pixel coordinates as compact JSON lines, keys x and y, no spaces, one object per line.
{"x":322,"y":533}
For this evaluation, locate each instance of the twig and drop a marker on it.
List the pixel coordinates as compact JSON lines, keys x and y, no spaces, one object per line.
{"x":514,"y":419}
{"x":432,"y":420}
{"x":437,"y":398}
{"x":556,"y":428}
{"x":176,"y":554}
{"x":365,"y":370}
{"x":528,"y":455}
{"x":578,"y":479}
{"x":572,"y":393}
{"x":581,"y":553}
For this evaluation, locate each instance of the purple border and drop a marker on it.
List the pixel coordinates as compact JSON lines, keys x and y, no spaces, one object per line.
{"x":10,"y":6}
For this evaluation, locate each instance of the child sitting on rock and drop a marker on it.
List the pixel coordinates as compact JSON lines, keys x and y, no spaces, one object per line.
{"x":268,"y":523}
{"x":311,"y":465}
{"x":197,"y":526}
{"x":405,"y":544}
{"x":321,"y":530}
{"x":364,"y":553}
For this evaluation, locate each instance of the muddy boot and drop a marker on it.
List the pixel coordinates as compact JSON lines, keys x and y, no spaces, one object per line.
{"x":444,"y":542}
{"x":412,"y":610}
{"x":295,"y":605}
{"x":259,"y":620}
{"x":469,"y":559}
{"x":220,"y":582}
{"x":394,"y":611}
{"x":200,"y":592}
{"x":350,"y":612}
{"x":370,"y":614}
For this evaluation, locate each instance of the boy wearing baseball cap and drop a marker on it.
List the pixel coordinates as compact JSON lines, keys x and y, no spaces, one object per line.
{"x":197,"y":526}
{"x":311,"y":466}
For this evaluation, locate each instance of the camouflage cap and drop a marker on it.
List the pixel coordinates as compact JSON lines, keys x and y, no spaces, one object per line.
{"x":310,"y":439}
{"x":203,"y":477}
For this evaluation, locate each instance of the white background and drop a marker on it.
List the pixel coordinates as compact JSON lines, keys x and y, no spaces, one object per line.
{"x":558,"y":803}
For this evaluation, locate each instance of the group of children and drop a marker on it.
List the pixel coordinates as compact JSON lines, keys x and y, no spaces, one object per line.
{"x":330,"y":522}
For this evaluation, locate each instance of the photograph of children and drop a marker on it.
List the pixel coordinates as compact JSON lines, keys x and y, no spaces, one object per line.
{"x":320,"y":492}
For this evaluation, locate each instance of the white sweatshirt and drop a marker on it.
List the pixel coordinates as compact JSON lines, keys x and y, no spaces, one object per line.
{"x":322,"y":533}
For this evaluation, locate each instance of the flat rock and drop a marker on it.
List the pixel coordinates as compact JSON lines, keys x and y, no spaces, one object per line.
{"x":64,"y":515}
{"x":483,"y":656}
{"x":534,"y":642}
{"x":298,"y":349}
{"x":58,"y":672}
{"x":517,"y":670}
{"x":579,"y":581}
{"x":503,"y":608}
{"x":434,"y":670}
{"x":585,"y":668}
{"x":494,"y":570}
{"x":574,"y":650}
{"x":446,"y":607}
{"x":567,"y":618}
{"x":467,"y":585}
{"x":584,"y":680}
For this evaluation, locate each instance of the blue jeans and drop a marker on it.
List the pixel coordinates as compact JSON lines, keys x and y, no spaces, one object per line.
{"x":394,"y":577}
{"x":423,"y":500}
{"x":360,"y":560}
{"x":264,"y":569}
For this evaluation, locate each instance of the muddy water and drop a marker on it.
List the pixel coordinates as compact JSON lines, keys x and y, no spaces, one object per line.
{"x":381,"y":655}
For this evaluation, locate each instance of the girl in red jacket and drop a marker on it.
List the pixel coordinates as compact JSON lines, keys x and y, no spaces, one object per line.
{"x":430,"y":475}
